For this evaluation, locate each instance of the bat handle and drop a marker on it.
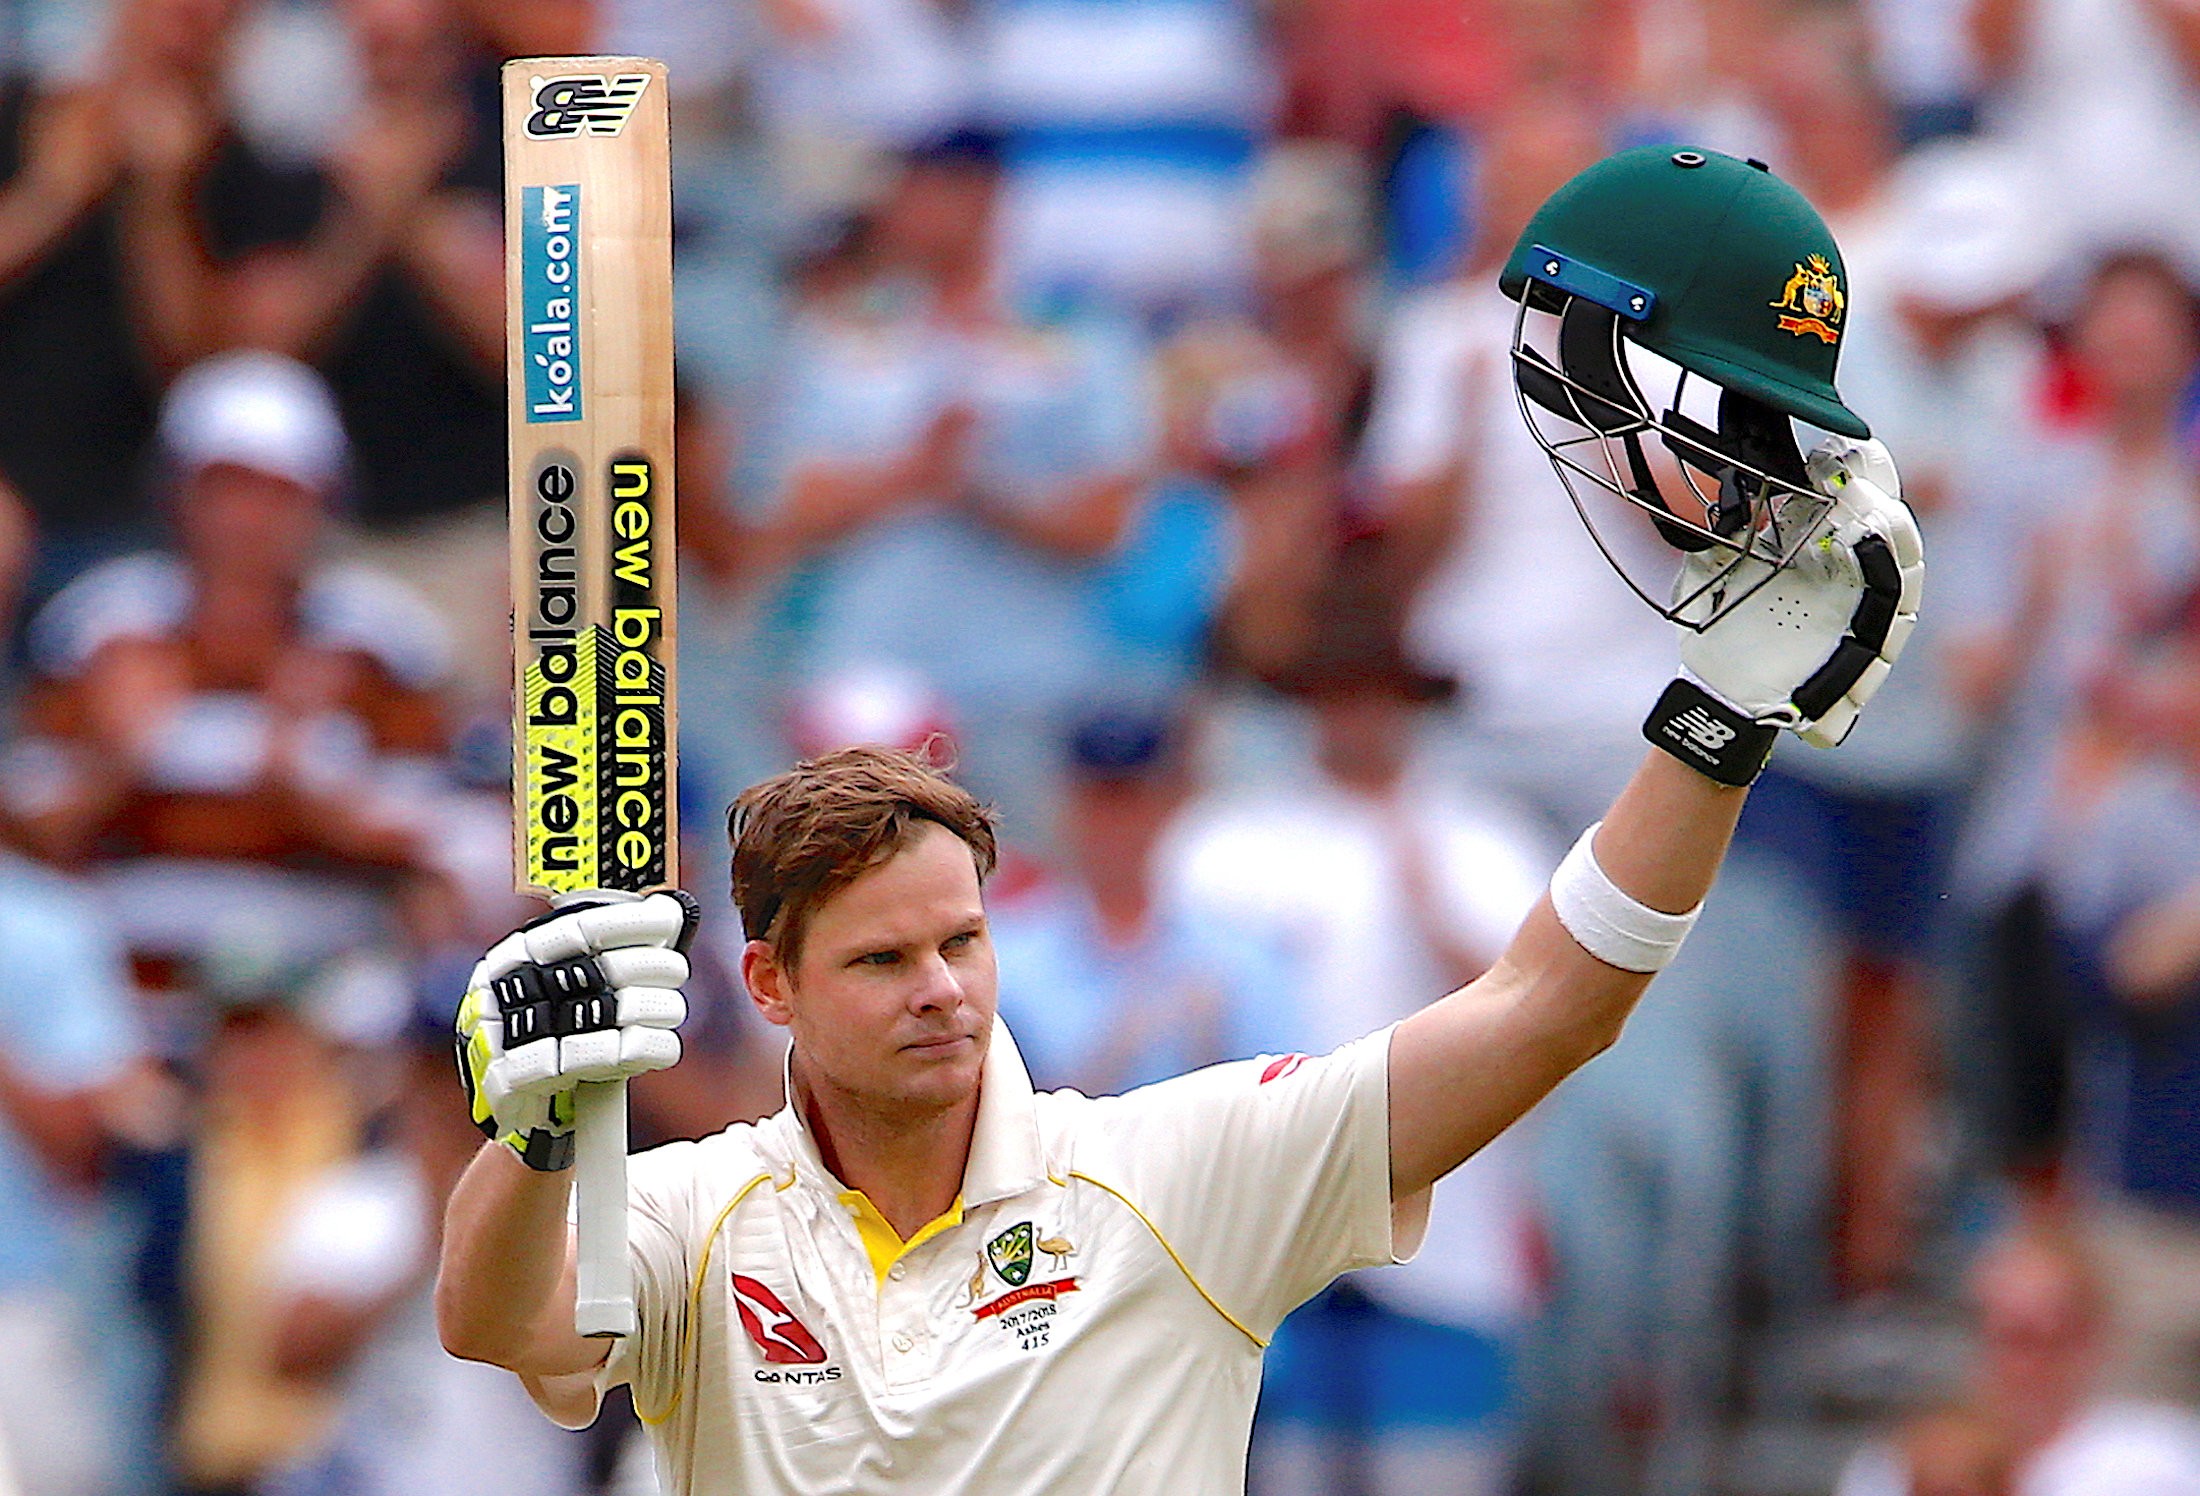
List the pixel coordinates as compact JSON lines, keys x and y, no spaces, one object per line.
{"x":603,"y":1304}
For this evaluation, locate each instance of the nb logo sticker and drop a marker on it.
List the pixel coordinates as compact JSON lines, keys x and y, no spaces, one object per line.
{"x":580,"y":103}
{"x":1707,"y":732}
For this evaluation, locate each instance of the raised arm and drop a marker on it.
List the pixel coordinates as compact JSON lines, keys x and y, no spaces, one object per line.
{"x":588,"y":993}
{"x":504,"y":1289}
{"x":1464,"y":1069}
{"x":1804,"y":651}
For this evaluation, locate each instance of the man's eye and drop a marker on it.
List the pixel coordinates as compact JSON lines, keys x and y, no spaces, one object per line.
{"x":958,"y":942}
{"x":878,"y":958}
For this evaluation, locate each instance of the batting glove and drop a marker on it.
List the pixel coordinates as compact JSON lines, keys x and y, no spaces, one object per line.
{"x":1809,"y":646}
{"x":589,"y":992}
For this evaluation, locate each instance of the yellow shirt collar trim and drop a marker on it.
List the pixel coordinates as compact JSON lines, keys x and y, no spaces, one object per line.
{"x":881,"y":1243}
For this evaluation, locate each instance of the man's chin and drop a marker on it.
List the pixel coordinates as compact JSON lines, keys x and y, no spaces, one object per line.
{"x":941,"y":1072}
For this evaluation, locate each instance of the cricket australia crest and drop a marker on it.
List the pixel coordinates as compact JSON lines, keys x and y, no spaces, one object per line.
{"x":1011,"y":1254}
{"x":1813,"y":301}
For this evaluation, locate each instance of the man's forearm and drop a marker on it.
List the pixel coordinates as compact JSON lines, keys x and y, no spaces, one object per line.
{"x":1464,"y":1069}
{"x":504,"y":1288}
{"x":1666,"y":834}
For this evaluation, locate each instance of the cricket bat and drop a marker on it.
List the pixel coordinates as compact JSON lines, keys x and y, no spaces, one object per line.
{"x":588,"y":318}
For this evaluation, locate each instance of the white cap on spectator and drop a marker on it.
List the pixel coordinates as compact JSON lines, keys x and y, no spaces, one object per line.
{"x":879,"y":705}
{"x":257,"y":410}
{"x":1975,"y":227}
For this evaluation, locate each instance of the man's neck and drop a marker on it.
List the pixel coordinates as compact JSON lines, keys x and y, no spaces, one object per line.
{"x":908,"y":1164}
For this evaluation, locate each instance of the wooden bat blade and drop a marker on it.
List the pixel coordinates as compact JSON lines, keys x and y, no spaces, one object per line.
{"x":588,"y":307}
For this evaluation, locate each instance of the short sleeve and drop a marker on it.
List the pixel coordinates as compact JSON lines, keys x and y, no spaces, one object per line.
{"x":143,"y":596}
{"x":1267,"y":1177}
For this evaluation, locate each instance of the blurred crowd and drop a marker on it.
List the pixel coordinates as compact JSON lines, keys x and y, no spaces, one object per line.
{"x":1113,"y":394}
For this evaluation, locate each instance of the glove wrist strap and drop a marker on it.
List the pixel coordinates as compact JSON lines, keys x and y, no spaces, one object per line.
{"x":540,"y":1149}
{"x":1708,"y":735}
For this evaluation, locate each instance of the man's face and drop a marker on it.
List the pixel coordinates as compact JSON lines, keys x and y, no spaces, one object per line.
{"x":940,"y":214}
{"x":1363,"y":737}
{"x":2135,"y":338}
{"x":891,"y":999}
{"x":240,"y":521}
{"x":1115,"y":821}
{"x":2037,"y":1334}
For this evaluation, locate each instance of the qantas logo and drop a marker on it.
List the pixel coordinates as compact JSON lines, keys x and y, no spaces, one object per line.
{"x":1279,"y":1068}
{"x":783,"y":1339}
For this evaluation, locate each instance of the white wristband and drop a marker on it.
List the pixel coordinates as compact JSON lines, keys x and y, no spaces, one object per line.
{"x":1604,"y":921}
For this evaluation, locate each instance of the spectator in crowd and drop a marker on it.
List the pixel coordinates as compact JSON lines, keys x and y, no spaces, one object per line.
{"x":1130,"y":132}
{"x":1552,"y":654}
{"x":242,"y":723}
{"x":1110,"y":983}
{"x":2104,"y":95}
{"x":1260,"y":410}
{"x":1248,"y":520}
{"x":279,"y":1105}
{"x":351,"y":1275}
{"x":2031,"y":1422}
{"x":380,"y":261}
{"x":1870,"y":829}
{"x":2121,"y":884}
{"x":955,"y":472}
{"x":81,"y":362}
{"x":2112,"y":566}
{"x":72,"y":1052}
{"x":79,"y":1095}
{"x":1384,"y":880}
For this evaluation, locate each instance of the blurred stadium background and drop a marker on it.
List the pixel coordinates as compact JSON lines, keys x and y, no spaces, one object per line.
{"x":1115,"y":389}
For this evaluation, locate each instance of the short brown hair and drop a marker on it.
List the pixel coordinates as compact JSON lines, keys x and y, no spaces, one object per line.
{"x":802,"y":836}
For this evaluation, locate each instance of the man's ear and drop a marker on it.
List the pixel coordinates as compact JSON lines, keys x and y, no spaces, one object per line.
{"x":769,"y":985}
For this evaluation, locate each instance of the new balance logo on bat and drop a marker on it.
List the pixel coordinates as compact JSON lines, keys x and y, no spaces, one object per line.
{"x":1708,"y":733}
{"x":577,"y":102}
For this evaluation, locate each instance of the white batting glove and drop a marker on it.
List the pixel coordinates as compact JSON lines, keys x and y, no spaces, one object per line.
{"x":590,"y":992}
{"x":1808,"y":648}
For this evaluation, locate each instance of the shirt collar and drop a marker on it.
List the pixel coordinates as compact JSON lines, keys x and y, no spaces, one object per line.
{"x":1006,"y":1154}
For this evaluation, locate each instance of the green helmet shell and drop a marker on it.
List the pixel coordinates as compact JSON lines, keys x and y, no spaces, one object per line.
{"x":1709,"y":261}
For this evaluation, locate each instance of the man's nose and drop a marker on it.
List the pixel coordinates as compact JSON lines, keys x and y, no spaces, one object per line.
{"x":937,"y":985}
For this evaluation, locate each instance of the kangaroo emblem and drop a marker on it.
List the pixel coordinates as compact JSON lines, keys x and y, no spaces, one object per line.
{"x":975,"y":1286}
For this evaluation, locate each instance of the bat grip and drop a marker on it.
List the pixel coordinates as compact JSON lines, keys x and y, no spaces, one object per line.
{"x":603,"y":1303}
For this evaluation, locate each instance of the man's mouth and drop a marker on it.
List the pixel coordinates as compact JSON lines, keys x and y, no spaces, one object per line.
{"x":939,"y":1043}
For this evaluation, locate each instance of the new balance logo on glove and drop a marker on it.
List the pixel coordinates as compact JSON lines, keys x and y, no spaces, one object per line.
{"x":1711,"y":736}
{"x":1708,"y":734}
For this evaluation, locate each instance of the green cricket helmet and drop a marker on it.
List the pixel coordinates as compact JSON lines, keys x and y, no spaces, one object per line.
{"x":1698,"y":299}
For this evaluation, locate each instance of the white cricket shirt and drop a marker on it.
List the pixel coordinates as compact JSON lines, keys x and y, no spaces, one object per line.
{"x":1092,"y":1323}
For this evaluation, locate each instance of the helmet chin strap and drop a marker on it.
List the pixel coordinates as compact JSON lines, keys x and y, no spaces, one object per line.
{"x":1753,"y":448}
